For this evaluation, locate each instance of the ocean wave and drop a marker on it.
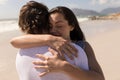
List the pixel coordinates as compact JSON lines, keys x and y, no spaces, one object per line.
{"x":8,"y":25}
{"x":82,"y":19}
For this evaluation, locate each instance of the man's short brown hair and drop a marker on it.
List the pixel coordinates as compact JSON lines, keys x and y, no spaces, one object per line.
{"x":34,"y":18}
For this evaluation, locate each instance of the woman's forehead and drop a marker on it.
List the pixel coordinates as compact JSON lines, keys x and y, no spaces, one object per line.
{"x":57,"y":19}
{"x":57,"y":16}
{"x":57,"y":22}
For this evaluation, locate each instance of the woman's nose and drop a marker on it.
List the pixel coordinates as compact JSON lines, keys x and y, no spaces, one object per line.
{"x":54,"y":31}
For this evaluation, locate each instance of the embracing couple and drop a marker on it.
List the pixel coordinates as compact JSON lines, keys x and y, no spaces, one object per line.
{"x":53,"y":46}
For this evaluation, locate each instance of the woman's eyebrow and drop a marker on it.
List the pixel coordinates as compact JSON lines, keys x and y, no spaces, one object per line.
{"x":58,"y":22}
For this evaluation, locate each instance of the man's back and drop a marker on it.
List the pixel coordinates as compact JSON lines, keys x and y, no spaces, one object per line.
{"x":26,"y":70}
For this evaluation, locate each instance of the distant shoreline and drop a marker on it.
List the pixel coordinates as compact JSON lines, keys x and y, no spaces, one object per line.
{"x":8,"y":19}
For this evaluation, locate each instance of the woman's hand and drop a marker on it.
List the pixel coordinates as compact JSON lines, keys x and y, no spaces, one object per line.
{"x":58,"y":43}
{"x":50,"y":64}
{"x":62,"y":46}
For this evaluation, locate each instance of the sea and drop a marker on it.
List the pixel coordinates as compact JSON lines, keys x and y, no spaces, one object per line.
{"x":12,"y":24}
{"x":88,"y":27}
{"x":8,"y":25}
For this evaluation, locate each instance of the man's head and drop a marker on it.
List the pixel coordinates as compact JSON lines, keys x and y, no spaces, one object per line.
{"x":33,"y":18}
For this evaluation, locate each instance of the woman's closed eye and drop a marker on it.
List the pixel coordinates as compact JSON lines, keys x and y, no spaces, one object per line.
{"x":59,"y":27}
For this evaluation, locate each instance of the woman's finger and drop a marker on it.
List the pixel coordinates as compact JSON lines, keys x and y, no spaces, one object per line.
{"x":68,"y":53}
{"x":41,"y":56}
{"x":54,"y":52}
{"x":57,"y":53}
{"x":44,"y":73}
{"x":72,"y":49}
{"x":61,"y":55}
{"x":41,"y":67}
{"x":40,"y":62}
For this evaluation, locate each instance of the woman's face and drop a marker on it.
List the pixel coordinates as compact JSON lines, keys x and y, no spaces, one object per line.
{"x":60,"y":26}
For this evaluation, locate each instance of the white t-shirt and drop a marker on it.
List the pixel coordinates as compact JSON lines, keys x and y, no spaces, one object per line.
{"x":26,"y":70}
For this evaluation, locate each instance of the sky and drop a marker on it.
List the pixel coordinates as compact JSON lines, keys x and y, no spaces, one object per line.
{"x":10,"y":8}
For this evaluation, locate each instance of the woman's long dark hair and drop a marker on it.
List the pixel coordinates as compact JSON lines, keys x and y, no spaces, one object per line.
{"x":34,"y":18}
{"x":76,"y":34}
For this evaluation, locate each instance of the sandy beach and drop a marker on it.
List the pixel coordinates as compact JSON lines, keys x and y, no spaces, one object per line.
{"x":105,"y":41}
{"x":107,"y":49}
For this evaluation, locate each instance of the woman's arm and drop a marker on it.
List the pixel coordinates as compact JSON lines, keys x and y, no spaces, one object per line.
{"x":58,"y":64}
{"x":55,"y":42}
{"x":27,"y":41}
{"x":95,"y":71}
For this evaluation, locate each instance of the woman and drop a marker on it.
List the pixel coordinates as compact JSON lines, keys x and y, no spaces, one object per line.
{"x":33,"y":17}
{"x":61,"y":21}
{"x":64,"y":24}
